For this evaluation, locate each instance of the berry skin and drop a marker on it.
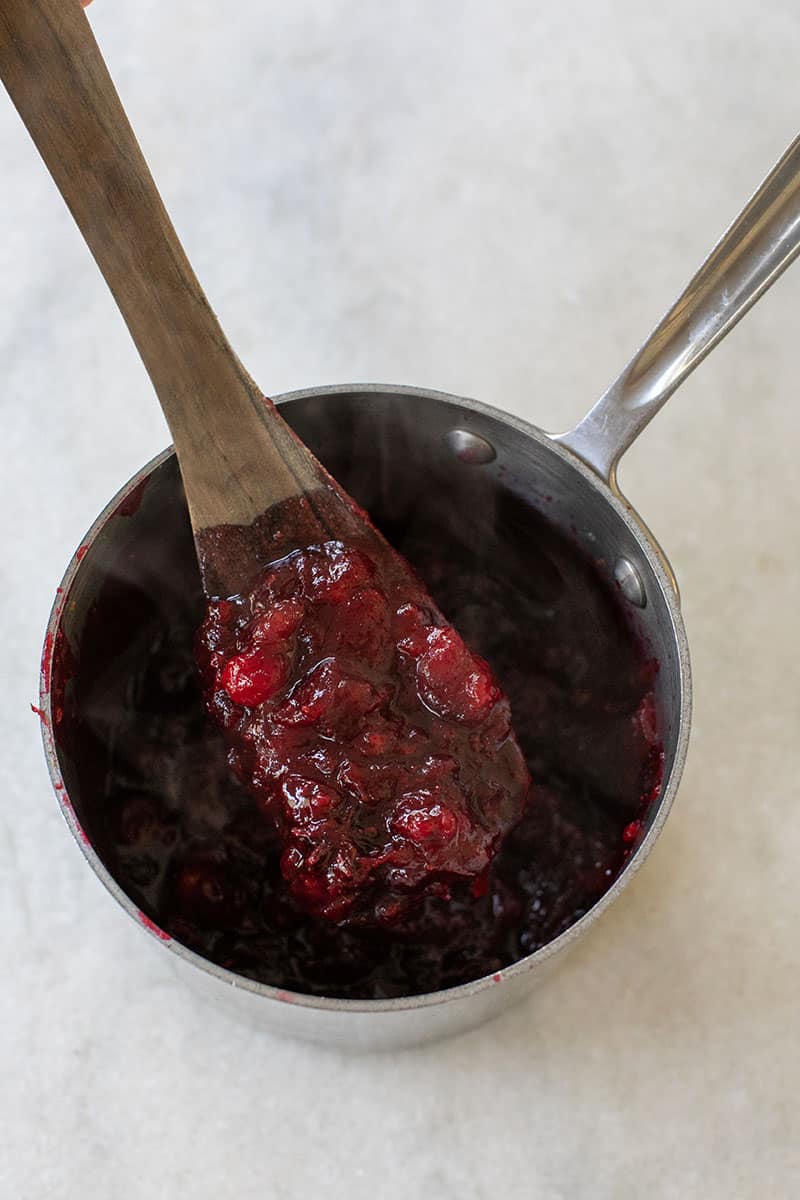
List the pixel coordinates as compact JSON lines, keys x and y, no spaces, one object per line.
{"x":631,"y":832}
{"x":423,"y":818}
{"x":306,"y":800}
{"x":254,"y":677}
{"x":364,"y":628}
{"x":453,"y":680}
{"x":277,"y":624}
{"x":332,"y":573}
{"x":648,"y":720}
{"x":330,"y":700}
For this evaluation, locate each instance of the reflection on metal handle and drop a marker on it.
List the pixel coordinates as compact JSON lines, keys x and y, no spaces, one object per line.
{"x":759,"y":245}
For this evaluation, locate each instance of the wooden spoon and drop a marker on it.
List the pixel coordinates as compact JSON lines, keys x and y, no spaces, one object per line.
{"x":254,"y":490}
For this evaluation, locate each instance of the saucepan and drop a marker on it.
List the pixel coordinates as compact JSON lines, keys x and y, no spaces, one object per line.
{"x":380,"y":440}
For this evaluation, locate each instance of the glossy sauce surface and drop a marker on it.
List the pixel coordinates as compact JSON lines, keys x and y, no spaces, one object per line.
{"x":377,"y":744}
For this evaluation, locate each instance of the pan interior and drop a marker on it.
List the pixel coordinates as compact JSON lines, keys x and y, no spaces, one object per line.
{"x":410,"y":459}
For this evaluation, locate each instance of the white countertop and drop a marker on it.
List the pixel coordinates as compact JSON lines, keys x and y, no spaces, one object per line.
{"x":497,"y":200}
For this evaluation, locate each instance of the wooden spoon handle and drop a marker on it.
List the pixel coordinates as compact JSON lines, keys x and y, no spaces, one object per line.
{"x":237,"y":456}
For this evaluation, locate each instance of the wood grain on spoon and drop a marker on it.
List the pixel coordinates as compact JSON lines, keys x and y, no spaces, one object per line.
{"x":238,"y":458}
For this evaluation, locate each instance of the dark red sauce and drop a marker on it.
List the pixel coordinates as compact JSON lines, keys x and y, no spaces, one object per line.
{"x":378,"y":745}
{"x":201,"y":857}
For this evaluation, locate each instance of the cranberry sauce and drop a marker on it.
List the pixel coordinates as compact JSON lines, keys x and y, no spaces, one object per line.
{"x":201,"y":857}
{"x":376,"y":742}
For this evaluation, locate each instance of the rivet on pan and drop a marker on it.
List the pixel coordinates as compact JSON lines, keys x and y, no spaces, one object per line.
{"x":470,"y":447}
{"x":630,"y":582}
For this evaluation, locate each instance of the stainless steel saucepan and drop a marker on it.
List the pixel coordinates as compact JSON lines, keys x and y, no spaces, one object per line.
{"x":374,"y":432}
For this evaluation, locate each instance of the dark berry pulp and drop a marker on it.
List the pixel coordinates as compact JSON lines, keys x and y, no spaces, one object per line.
{"x":201,"y":858}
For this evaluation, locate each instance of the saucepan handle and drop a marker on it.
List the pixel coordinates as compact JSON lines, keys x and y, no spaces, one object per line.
{"x":758,"y":246}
